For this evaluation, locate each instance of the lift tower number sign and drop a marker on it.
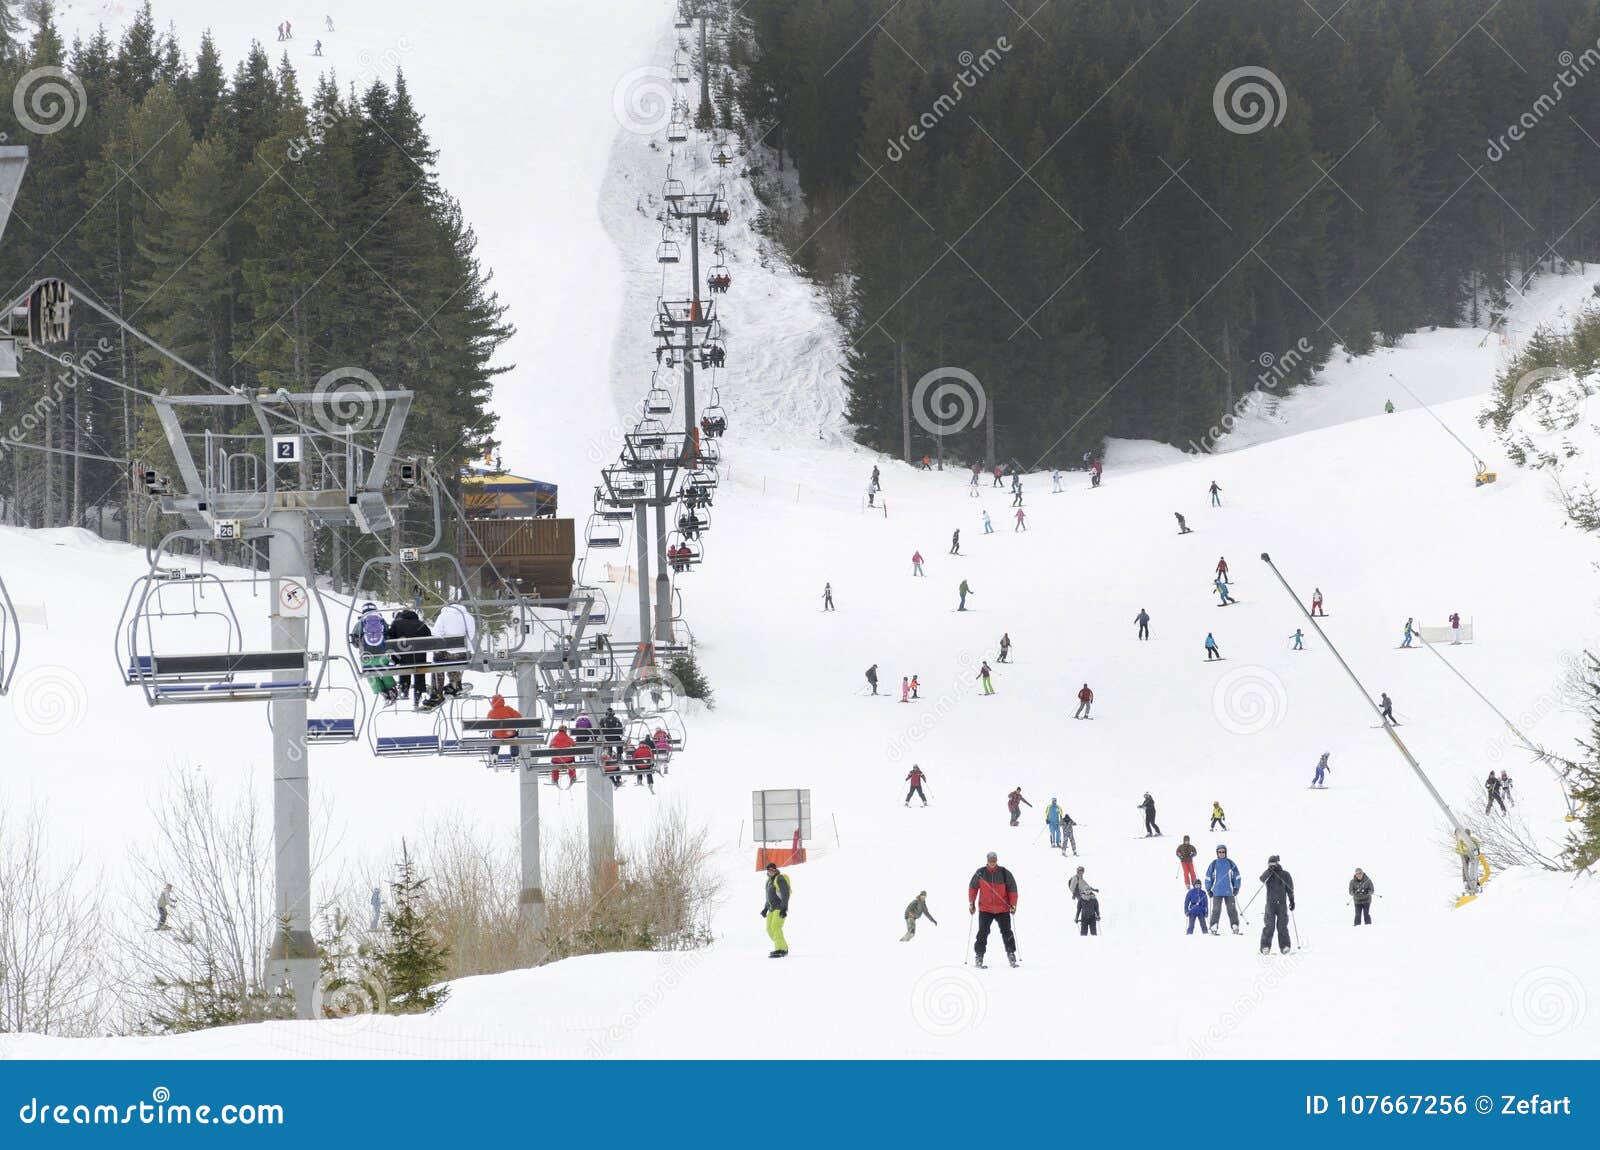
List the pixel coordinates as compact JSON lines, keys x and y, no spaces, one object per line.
{"x":293,"y":602}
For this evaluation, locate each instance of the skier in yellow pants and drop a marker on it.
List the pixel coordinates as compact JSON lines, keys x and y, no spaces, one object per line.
{"x":776,"y":909}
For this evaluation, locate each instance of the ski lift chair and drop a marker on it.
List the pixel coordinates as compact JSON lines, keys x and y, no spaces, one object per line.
{"x":677,"y":130}
{"x":673,"y":191}
{"x":683,"y":554}
{"x":667,"y":252}
{"x":595,"y":614}
{"x":401,"y":733}
{"x":601,"y":533}
{"x":341,"y":711}
{"x":10,"y":639}
{"x":694,"y":521}
{"x":658,"y":401}
{"x":720,"y":279}
{"x":414,"y":655}
{"x":713,"y":420}
{"x":650,"y":432}
{"x":722,"y":159}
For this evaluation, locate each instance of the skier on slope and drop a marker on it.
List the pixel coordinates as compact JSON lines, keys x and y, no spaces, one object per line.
{"x":1014,"y":803}
{"x":905,"y":689}
{"x":827,"y":596}
{"x":988,"y":527}
{"x":1005,"y":648}
{"x":1316,"y":601}
{"x":1218,"y":818}
{"x":1299,"y":640}
{"x":915,"y":778}
{"x":983,"y":674}
{"x":1280,"y":901}
{"x":1087,"y":916}
{"x":964,"y":591}
{"x":1078,"y":886}
{"x":915,"y":683}
{"x":1322,"y":770}
{"x":1183,"y":526}
{"x":1143,"y":619}
{"x":1052,"y":819}
{"x":1194,"y":907}
{"x":1505,"y":789}
{"x":916,"y":563}
{"x":1216,"y":494}
{"x":1455,"y":628}
{"x":1361,"y":891}
{"x":918,"y":908}
{"x":1099,"y":470}
{"x":1085,"y":701}
{"x":1405,"y":640}
{"x":872,"y":677}
{"x":1068,"y":839}
{"x":776,"y":909}
{"x":1149,"y":809}
{"x":1022,"y":521}
{"x":1016,"y":495}
{"x":1221,"y":588}
{"x":1222,"y":884}
{"x":1222,"y":570}
{"x":1386,"y":708}
{"x":955,"y":542}
{"x":1186,"y":853}
{"x":992,"y":896}
{"x":1212,"y":650}
{"x":1492,"y":786}
{"x":1055,"y":482}
{"x":997,"y":482}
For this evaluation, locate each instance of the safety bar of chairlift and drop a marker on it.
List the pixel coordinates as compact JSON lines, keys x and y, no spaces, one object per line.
{"x":10,"y":639}
{"x":467,"y":644}
{"x":332,"y":730}
{"x":209,"y":677}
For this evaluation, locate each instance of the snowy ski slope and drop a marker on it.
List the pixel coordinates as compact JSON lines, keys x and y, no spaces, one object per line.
{"x":1378,"y":511}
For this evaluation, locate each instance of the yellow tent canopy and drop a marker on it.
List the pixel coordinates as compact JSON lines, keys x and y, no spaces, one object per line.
{"x":501,"y":495}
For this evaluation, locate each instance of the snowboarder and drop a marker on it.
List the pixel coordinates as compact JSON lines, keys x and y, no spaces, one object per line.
{"x":988,"y":527}
{"x":983,"y":674}
{"x":915,"y":778}
{"x":1455,"y":628}
{"x":1222,"y":589}
{"x":377,"y":908}
{"x":1361,"y":894}
{"x":1183,"y":526}
{"x":1149,"y":809}
{"x":1014,"y":803}
{"x":955,"y":542}
{"x":827,"y":596}
{"x":1186,"y":853}
{"x":1143,"y":619}
{"x":1492,"y":786}
{"x":1088,"y":913}
{"x":1022,"y":522}
{"x":1505,"y":789}
{"x":1212,"y":650}
{"x":918,"y":908}
{"x":1052,"y":819}
{"x":872,"y":677}
{"x":776,"y":909}
{"x":1322,"y":771}
{"x":1005,"y":648}
{"x":1405,"y":640}
{"x":1194,"y":907}
{"x":905,"y":689}
{"x":165,"y":901}
{"x":1222,"y":570}
{"x":1222,"y":884}
{"x":992,"y":896}
{"x":964,"y":591}
{"x":1218,"y":818}
{"x":1316,"y":602}
{"x":1085,"y":701}
{"x":1280,"y":901}
{"x":1216,"y":494}
{"x":1386,"y":708}
{"x":1299,"y":640}
{"x":316,"y":48}
{"x":916,"y":563}
{"x":1055,"y":482}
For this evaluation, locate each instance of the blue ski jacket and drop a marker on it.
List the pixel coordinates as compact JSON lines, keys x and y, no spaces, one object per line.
{"x":1195,"y":901}
{"x":1222,"y":878}
{"x":1052,"y":815}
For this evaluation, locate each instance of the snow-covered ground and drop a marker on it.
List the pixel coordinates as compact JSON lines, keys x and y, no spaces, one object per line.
{"x":1379,"y":511}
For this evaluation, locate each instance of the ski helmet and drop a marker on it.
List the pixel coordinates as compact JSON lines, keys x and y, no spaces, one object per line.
{"x":1272,"y":861}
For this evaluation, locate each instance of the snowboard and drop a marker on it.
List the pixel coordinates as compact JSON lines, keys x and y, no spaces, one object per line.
{"x":1218,"y":659}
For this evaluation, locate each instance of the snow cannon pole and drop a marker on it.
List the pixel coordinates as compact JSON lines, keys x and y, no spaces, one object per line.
{"x":1528,"y":744}
{"x":1477,"y":460}
{"x":1465,"y":843}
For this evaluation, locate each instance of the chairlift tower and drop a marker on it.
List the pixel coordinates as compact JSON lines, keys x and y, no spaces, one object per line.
{"x":309,"y":475}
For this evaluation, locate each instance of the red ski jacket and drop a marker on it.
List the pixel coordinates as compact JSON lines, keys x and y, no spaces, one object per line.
{"x":992,"y":889}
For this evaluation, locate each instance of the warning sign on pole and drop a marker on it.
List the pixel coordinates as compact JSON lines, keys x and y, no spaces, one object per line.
{"x":293,"y":602}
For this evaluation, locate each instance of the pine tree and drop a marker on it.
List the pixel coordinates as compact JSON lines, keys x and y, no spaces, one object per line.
{"x":413,"y":959}
{"x":1583,"y":777}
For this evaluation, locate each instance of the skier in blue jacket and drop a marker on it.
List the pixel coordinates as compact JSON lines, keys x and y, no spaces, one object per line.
{"x":1322,"y":770}
{"x":1052,"y":818}
{"x":1194,"y":906}
{"x":1222,"y":884}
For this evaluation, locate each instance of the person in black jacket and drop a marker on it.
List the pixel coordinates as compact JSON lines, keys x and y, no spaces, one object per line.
{"x":409,"y":625}
{"x":611,"y":730}
{"x":1280,"y":901}
{"x":776,"y":908}
{"x":1361,"y":894}
{"x":1149,"y":809}
{"x":1088,"y":912}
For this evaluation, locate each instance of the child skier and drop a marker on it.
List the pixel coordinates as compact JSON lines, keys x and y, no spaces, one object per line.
{"x":1505,"y":789}
{"x":915,"y":779}
{"x":1021,"y":518}
{"x":1068,"y":839}
{"x":1218,"y":818}
{"x":914,"y":685}
{"x":1194,"y":907}
{"x":988,"y":527}
{"x":918,"y":908}
{"x":1186,"y":853}
{"x":905,"y":689}
{"x":1014,"y":803}
{"x":1322,"y":770}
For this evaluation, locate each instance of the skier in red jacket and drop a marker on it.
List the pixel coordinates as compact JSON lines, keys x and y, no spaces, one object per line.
{"x":992,"y":896}
{"x":915,"y":779}
{"x":1085,"y":701}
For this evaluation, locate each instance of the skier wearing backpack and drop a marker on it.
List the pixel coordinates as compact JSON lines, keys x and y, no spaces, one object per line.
{"x":1194,"y":907}
{"x":1218,"y":818}
{"x":1085,"y":701}
{"x":1322,"y":770}
{"x":1143,"y":619}
{"x":776,"y":909}
{"x":1280,"y":901}
{"x":1149,"y":809}
{"x":918,"y":908}
{"x":1014,"y":803}
{"x":992,"y":896}
{"x":1222,"y":884}
{"x":1186,"y":853}
{"x":368,"y":636}
{"x":915,"y":779}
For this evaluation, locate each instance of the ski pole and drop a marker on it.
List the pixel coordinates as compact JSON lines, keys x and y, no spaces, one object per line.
{"x":1247,"y":905}
{"x":971,"y":922}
